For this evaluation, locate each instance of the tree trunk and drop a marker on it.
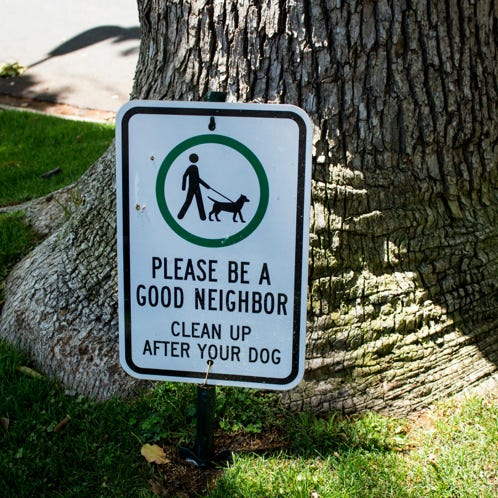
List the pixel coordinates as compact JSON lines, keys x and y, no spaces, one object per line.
{"x":403,"y":306}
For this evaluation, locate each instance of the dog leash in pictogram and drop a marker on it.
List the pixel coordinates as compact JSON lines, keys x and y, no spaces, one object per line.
{"x":219,"y":193}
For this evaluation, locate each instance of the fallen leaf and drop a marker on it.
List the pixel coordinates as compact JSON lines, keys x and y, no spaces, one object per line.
{"x":4,"y":423}
{"x":62,"y":423}
{"x":30,"y":372}
{"x":51,"y":173}
{"x":154,"y":454}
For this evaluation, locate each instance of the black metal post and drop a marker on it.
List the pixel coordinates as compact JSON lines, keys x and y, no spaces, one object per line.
{"x":204,"y":437}
{"x":203,"y":452}
{"x":212,"y":96}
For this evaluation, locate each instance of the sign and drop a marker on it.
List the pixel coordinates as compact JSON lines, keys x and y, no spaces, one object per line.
{"x":213,"y":219}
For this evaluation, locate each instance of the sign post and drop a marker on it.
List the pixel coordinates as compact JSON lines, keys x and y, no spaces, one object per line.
{"x":203,"y":453}
{"x":213,"y":220}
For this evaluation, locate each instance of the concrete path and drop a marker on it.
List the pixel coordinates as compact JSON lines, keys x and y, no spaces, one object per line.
{"x":82,"y":54}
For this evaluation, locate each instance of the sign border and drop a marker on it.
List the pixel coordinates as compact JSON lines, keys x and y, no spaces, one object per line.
{"x":127,"y":112}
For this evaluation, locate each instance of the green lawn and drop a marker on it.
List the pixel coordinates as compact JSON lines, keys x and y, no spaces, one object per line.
{"x":55,"y":443}
{"x":32,"y":144}
{"x":451,"y":451}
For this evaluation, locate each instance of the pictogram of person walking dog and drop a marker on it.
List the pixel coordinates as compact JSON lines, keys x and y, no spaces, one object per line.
{"x":192,"y":178}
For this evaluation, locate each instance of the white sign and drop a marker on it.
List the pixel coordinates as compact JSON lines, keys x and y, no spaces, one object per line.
{"x":213,"y":218}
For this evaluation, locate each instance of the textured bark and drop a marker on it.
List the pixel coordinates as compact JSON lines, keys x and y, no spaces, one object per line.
{"x":403,"y":263}
{"x":46,"y":214}
{"x":61,"y":299}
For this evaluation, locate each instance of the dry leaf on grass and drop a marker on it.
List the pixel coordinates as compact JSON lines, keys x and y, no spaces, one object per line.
{"x":4,"y":423}
{"x":29,"y":372}
{"x":154,"y":454}
{"x":62,"y":423}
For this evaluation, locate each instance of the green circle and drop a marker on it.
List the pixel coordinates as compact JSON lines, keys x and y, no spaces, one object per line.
{"x":251,"y":158}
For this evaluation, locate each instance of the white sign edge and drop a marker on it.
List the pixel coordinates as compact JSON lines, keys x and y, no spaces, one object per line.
{"x":122,"y":112}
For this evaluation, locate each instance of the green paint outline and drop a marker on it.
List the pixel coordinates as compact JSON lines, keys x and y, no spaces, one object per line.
{"x":241,"y":149}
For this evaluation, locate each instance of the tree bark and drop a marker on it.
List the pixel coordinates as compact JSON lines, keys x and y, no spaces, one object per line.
{"x":403,"y":306}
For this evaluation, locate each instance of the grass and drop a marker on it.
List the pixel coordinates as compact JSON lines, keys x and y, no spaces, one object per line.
{"x":57,"y":444}
{"x":33,"y":144}
{"x":457,"y":456}
{"x":452,"y":451}
{"x":94,"y":453}
{"x":15,"y":240}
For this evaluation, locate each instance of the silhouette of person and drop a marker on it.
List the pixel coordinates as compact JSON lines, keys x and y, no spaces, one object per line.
{"x":194,"y":188}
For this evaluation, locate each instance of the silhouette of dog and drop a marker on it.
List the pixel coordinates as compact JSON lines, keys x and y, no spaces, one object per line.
{"x":230,"y":207}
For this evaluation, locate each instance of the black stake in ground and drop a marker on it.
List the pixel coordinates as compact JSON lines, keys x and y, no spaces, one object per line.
{"x":203,"y":454}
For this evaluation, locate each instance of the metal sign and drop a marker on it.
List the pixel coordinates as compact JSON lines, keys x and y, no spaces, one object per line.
{"x":213,"y":220}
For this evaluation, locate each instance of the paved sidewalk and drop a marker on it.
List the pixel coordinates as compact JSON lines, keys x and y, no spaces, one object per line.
{"x":81,"y":54}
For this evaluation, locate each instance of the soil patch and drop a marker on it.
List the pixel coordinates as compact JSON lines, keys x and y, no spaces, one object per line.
{"x":57,"y":109}
{"x":183,"y":479}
